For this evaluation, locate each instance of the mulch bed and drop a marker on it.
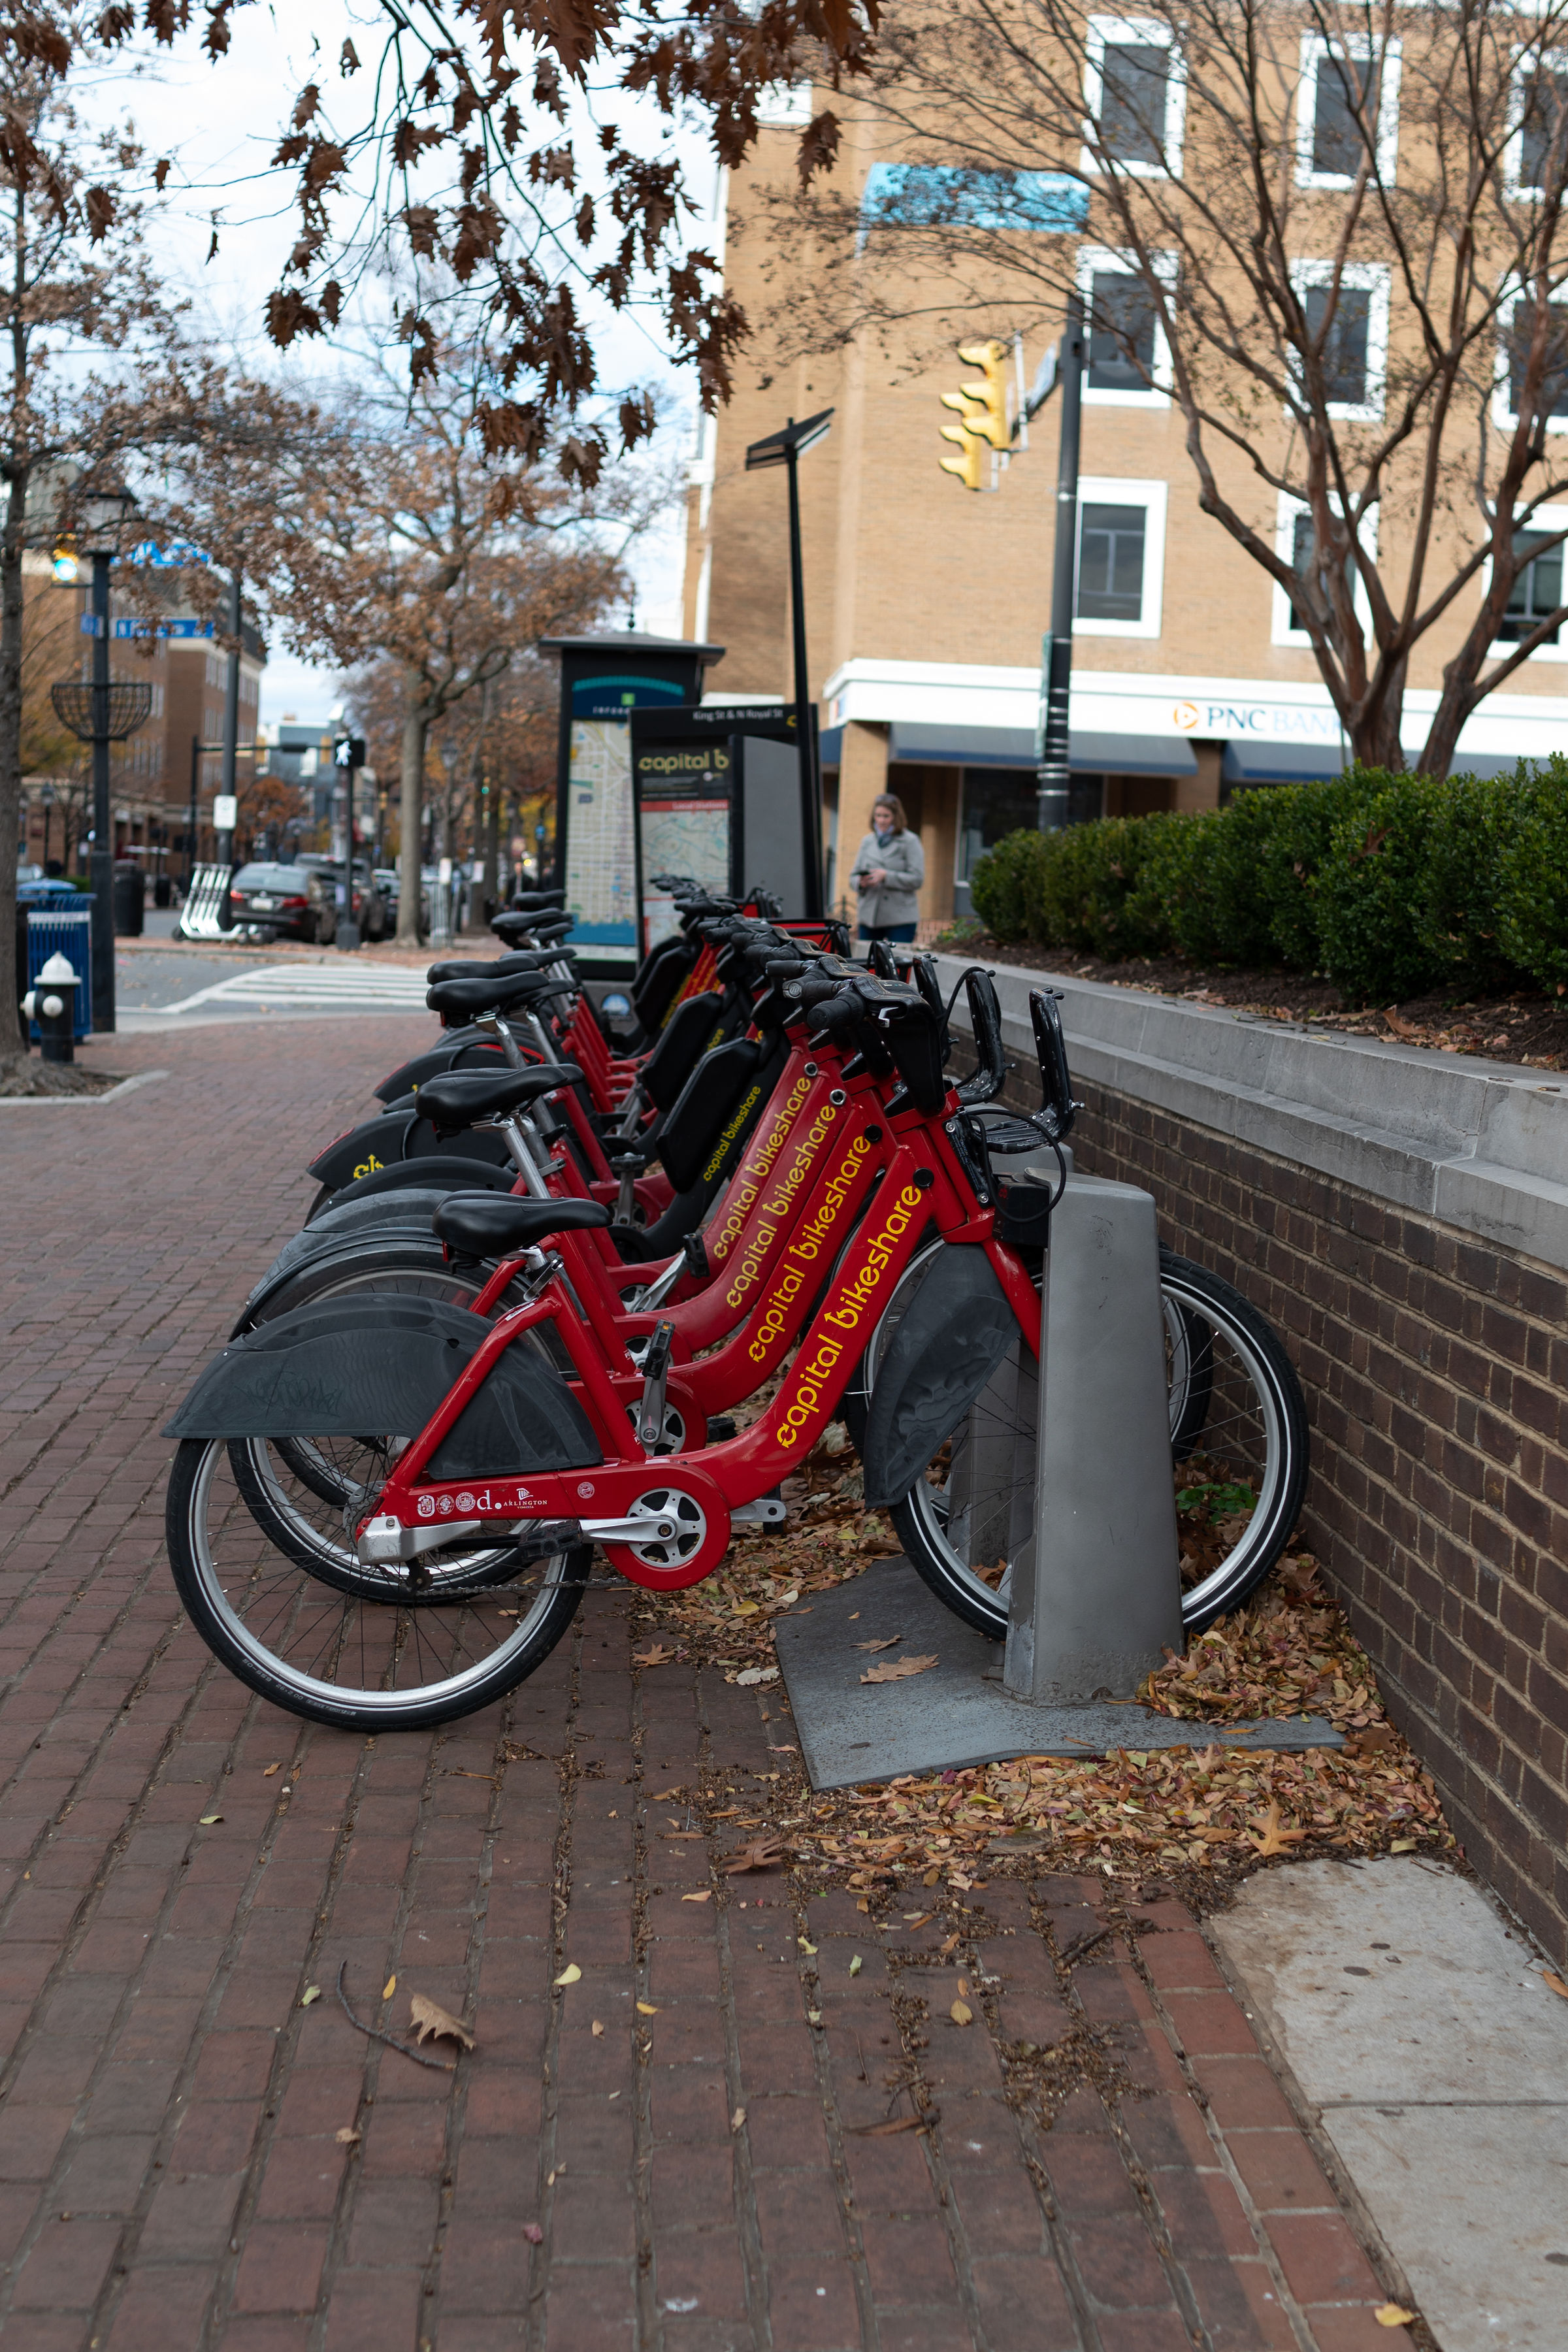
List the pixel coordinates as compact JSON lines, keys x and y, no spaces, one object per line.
{"x":1196,"y":1820}
{"x":1522,"y":1026}
{"x":35,"y":1079}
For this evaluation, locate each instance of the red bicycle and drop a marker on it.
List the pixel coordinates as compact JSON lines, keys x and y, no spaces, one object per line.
{"x":380,"y":1581}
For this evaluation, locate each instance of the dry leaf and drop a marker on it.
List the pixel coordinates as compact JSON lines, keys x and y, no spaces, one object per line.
{"x":890,"y":1643}
{"x":855,"y":1965}
{"x":1550,"y":1977}
{"x":898,"y":1670}
{"x":960,"y":2013}
{"x":347,"y":2137}
{"x":951,"y":1945}
{"x":931,"y":1878}
{"x":598,"y":2028}
{"x":863,"y":1906}
{"x":747,"y":1609}
{"x":661,"y":1795}
{"x":805,"y":1947}
{"x":813,"y":2016}
{"x":389,"y":1987}
{"x":310,"y":1993}
{"x":918,"y":1918}
{"x":1275,"y":1839}
{"x":757,"y":1674}
{"x":763,"y":1853}
{"x":1403,"y":1845}
{"x":1393,"y":2315}
{"x":533,"y":2233}
{"x":208,"y":1818}
{"x":655,"y":1654}
{"x":895,"y":2124}
{"x":428,"y":2017}
{"x":569,"y":1974}
{"x":647,"y":2009}
{"x":737,"y":2119}
{"x":705,"y":1897}
{"x":267,"y":1771}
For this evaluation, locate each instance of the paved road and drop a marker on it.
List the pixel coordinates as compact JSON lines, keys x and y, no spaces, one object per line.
{"x":191,"y":2156}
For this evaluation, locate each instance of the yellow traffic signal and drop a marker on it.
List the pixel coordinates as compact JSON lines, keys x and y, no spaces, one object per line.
{"x":970,"y":439}
{"x":65,"y":565}
{"x":991,"y":397}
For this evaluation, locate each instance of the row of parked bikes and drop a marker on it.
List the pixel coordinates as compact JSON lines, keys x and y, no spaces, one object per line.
{"x":536,"y":1284}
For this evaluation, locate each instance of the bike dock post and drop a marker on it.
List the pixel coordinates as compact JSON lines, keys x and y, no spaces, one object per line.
{"x":1096,"y":1596}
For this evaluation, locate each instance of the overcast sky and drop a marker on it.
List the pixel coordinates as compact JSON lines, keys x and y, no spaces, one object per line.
{"x":220,"y":124}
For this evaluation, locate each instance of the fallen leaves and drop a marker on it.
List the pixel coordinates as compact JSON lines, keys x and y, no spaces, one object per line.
{"x":348,"y":2135}
{"x":855,"y":1965}
{"x":389,"y":1987}
{"x":763,"y":1853}
{"x":960,"y":2013}
{"x":533,"y":2233}
{"x":894,"y":2123}
{"x":598,"y":2029}
{"x":1550,"y":1976}
{"x":750,"y":1676}
{"x":1275,"y":1838}
{"x":208,"y":1818}
{"x":648,"y":2008}
{"x":898,"y":1670}
{"x":431,"y":2021}
{"x":570,"y":1975}
{"x":655,"y":1654}
{"x":311,"y":1994}
{"x":888,"y":1641}
{"x":705,"y":1897}
{"x":1393,"y":2315}
{"x":737,"y":2119}
{"x":269,"y":1769}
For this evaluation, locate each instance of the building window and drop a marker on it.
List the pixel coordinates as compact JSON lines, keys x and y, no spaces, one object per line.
{"x":1120,"y":558}
{"x":1537,"y":154}
{"x":1349,"y":90}
{"x":1128,"y":358}
{"x":1135,"y":96}
{"x":1296,"y":541}
{"x":1538,"y":588}
{"x":1519,"y":324}
{"x":1354,"y":304}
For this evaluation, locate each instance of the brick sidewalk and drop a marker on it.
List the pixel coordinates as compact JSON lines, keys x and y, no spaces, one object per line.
{"x":189,"y":2157}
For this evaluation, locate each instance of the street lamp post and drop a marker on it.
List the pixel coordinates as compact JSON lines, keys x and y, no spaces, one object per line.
{"x":1055,"y":770}
{"x":104,"y":514}
{"x":231,"y":719}
{"x":785,"y":449}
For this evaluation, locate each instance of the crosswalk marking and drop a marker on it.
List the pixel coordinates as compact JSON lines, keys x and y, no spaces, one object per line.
{"x":396,"y":985}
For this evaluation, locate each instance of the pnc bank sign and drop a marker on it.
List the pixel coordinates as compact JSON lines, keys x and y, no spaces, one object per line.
{"x":1276,"y":721}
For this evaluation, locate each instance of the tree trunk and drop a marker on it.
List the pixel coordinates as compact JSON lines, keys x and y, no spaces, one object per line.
{"x":415,"y":732}
{"x":12,"y":619}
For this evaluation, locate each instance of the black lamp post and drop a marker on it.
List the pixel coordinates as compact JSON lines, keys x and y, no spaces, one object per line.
{"x":110,"y":716}
{"x":785,"y":449}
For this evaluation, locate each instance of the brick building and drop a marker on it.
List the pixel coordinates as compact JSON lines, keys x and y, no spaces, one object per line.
{"x":151,"y":774}
{"x":926,"y":603}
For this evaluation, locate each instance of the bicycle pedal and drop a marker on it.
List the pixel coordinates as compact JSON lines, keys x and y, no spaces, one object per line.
{"x":767,"y":1511}
{"x":721,"y":1429}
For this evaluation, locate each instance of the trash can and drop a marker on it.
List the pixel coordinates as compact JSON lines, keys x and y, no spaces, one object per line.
{"x":130,"y":902}
{"x":66,"y":931}
{"x":163,"y":890}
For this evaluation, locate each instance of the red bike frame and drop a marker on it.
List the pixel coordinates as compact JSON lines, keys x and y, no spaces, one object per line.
{"x":921,"y":1180}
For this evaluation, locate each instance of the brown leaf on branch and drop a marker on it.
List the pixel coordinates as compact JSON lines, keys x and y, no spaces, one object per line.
{"x":898,"y":1670}
{"x":428,"y":2018}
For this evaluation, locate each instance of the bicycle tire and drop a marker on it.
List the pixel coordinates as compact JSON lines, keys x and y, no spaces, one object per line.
{"x":239,"y":1610}
{"x":1218,"y":1348}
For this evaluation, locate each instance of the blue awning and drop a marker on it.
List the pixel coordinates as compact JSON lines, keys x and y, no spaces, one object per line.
{"x":1250,"y":761}
{"x":1014,"y":746}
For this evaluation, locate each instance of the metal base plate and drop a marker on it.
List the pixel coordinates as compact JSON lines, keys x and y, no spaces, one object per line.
{"x":957,"y":1713}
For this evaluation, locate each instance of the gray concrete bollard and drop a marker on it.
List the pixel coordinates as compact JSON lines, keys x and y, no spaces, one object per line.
{"x":1096,"y":1596}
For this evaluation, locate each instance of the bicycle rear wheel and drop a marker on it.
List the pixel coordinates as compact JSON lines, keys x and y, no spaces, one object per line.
{"x":367,"y":1647}
{"x":1238,"y":1453}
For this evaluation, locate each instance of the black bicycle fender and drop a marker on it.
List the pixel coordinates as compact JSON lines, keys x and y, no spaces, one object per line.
{"x":407,"y":1212}
{"x":955,"y":1331}
{"x":447,"y":1173}
{"x":378,"y":1142}
{"x":464,"y":1049}
{"x":347,"y":1367}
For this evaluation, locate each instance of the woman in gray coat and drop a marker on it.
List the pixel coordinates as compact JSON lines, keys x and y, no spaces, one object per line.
{"x":889,"y":866}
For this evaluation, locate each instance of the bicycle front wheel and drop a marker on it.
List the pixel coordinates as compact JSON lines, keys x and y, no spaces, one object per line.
{"x":307,"y":1624}
{"x":1238,"y":1457}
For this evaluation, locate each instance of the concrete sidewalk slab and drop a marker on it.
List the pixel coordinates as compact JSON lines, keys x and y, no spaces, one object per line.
{"x":1419,"y":2031}
{"x":957,"y":1714}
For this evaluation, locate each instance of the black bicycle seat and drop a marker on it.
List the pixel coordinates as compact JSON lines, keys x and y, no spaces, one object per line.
{"x":497,"y":967}
{"x":462,"y":1098}
{"x":494,"y":1225}
{"x":496,"y":995}
{"x":541,"y":923}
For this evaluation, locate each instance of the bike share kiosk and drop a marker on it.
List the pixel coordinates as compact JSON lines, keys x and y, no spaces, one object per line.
{"x":605,"y":680}
{"x":718,"y":800}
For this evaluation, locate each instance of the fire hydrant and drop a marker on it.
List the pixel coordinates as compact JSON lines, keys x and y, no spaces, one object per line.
{"x":51,"y":1002}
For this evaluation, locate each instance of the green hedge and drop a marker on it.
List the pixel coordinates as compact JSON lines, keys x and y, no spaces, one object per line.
{"x":1387,"y":885}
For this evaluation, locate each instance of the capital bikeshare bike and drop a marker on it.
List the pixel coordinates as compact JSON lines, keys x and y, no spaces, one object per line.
{"x":409,"y":1576}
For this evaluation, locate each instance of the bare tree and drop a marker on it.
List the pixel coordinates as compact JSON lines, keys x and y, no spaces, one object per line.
{"x":1332,"y":234}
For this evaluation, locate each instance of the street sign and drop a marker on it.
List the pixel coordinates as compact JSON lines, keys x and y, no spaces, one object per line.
{"x":348,"y":751}
{"x":226,"y":812}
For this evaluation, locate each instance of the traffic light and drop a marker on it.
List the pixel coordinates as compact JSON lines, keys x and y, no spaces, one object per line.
{"x":970,"y":438}
{"x":991,"y":395}
{"x":348,"y":751}
{"x":65,"y":566}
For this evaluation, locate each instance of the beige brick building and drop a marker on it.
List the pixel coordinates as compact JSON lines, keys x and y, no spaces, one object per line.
{"x":926,"y":603}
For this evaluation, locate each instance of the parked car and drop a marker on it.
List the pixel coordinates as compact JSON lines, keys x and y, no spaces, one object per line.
{"x":371,"y":909}
{"x":273,"y":902}
{"x":389,"y":881}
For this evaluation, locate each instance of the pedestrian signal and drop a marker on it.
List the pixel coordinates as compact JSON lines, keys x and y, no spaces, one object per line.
{"x":348,"y":751}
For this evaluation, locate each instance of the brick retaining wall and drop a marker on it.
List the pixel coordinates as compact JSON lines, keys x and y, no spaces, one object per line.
{"x":1435,"y":1362}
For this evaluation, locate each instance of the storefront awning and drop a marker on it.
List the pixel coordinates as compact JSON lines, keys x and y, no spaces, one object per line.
{"x":1251,"y":761}
{"x":1014,"y":746}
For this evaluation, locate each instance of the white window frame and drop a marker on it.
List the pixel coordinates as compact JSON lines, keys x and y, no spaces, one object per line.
{"x":1554,"y":517}
{"x":1103,"y":260}
{"x":1281,"y":633}
{"x":1527,"y":63}
{"x":1314,"y":50}
{"x":1372,"y":277}
{"x":1106,"y":489}
{"x":1502,"y":394}
{"x":1148,"y":33}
